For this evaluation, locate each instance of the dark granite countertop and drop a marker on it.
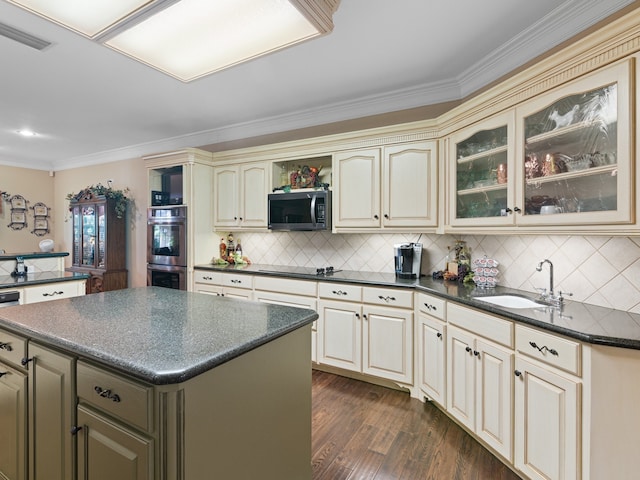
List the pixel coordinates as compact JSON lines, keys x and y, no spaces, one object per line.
{"x":9,"y":282}
{"x":29,"y":255}
{"x":159,"y":335}
{"x":582,"y":321}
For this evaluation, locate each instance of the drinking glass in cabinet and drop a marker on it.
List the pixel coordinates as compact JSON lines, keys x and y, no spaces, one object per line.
{"x":481,"y":174}
{"x":570,"y":157}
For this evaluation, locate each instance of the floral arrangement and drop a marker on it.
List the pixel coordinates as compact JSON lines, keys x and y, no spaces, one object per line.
{"x":122,"y":197}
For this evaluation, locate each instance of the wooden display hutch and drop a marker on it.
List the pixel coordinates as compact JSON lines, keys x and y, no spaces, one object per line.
{"x":99,"y":247}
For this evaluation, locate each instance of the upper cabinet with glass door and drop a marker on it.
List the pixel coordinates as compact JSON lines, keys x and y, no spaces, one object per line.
{"x":481,"y":166}
{"x":574,"y":153}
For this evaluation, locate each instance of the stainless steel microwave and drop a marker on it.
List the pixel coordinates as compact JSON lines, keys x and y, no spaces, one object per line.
{"x":300,"y":211}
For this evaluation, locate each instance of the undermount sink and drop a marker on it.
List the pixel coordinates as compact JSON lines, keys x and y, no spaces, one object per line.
{"x":511,"y":301}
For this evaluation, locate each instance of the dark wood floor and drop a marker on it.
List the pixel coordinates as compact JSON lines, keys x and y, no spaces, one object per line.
{"x":363,"y":431}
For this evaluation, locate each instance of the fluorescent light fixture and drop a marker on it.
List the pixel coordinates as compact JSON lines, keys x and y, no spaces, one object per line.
{"x":188,"y":39}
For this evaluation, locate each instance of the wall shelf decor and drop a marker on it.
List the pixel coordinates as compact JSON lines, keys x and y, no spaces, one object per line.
{"x":40,"y":219}
{"x":18,"y":212}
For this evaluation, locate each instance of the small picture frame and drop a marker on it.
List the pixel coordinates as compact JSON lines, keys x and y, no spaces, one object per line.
{"x":18,"y":202}
{"x":40,"y":210}
{"x":40,"y":224}
{"x":18,"y":217}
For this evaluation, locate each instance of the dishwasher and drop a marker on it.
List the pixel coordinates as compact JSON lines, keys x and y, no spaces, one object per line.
{"x":8,"y":299}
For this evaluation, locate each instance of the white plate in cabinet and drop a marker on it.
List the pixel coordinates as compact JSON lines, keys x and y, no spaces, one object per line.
{"x":116,"y":395}
{"x":388,"y":296}
{"x":340,"y":291}
{"x":431,"y":305}
{"x":53,"y":291}
{"x":550,"y":349}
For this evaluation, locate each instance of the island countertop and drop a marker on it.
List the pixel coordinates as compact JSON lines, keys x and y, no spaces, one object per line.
{"x":158,"y":335}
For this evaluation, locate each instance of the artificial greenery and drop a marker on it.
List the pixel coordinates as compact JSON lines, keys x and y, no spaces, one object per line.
{"x":121,"y":197}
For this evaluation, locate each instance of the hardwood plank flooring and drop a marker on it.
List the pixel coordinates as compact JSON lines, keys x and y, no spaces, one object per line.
{"x":368,"y":432}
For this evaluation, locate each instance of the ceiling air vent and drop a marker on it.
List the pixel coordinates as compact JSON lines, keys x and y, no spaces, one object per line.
{"x":23,"y":37}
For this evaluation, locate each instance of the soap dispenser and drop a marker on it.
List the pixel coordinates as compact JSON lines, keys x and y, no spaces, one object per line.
{"x":20,"y":270}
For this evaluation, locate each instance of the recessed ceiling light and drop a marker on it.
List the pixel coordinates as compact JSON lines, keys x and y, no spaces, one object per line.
{"x":27,"y":133}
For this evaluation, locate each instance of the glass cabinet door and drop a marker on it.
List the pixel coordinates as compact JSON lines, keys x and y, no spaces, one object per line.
{"x":481,"y":162}
{"x":77,"y":241}
{"x":575,"y":162}
{"x":88,"y":235}
{"x":101,"y":239}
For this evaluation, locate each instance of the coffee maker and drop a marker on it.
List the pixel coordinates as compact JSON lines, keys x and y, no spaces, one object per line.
{"x":407,"y":259}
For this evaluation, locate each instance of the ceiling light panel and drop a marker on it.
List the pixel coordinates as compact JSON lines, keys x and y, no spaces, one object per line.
{"x":193,"y":38}
{"x":88,"y":17}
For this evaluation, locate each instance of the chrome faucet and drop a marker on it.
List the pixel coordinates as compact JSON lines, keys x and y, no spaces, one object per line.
{"x":550,"y":295}
{"x":539,"y":269}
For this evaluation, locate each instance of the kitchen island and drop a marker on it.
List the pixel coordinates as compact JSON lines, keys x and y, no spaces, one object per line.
{"x":162,"y":384}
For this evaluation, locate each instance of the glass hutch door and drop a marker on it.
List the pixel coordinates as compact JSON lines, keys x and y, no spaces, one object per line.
{"x":576,"y":153}
{"x":482,"y":164}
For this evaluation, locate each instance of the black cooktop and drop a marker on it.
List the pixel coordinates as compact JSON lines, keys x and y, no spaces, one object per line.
{"x":306,"y":271}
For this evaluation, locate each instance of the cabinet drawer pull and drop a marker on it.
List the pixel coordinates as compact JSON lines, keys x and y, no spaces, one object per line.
{"x":543,"y":348}
{"x":387,"y":299}
{"x":339,"y":292}
{"x":207,"y":278}
{"x":233,"y":280}
{"x":6,"y":346}
{"x":106,"y":393}
{"x":52,"y":294}
{"x":430,"y":307}
{"x":2,"y":374}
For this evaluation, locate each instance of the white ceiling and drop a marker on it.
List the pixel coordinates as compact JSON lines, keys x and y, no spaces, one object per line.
{"x":91,"y":105}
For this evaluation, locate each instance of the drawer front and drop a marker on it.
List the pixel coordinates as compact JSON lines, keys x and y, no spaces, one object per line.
{"x":340,"y":291}
{"x":12,"y":348}
{"x":237,"y":281}
{"x":123,"y":398}
{"x":294,"y":287}
{"x":207,"y":277}
{"x":493,"y":328}
{"x":52,"y":291}
{"x":431,"y":305}
{"x":548,"y":348}
{"x":391,"y":297}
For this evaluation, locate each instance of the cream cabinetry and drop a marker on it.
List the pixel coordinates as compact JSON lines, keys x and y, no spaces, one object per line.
{"x":240,"y":196}
{"x":13,"y":415}
{"x":224,"y":284}
{"x":480,"y":375}
{"x":292,"y":293}
{"x":53,"y":291}
{"x":431,"y":347}
{"x":52,"y":413}
{"x":392,"y":187}
{"x":113,"y":413}
{"x":368,"y":337}
{"x":547,"y":406}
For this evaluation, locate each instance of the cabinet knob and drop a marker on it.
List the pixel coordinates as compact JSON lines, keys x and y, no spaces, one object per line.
{"x":517,"y":373}
{"x":26,"y":360}
{"x":476,"y":353}
{"x":357,"y":315}
{"x":517,"y":209}
{"x":241,"y":219}
{"x":75,"y":430}
{"x":376,"y":217}
{"x":386,"y":216}
{"x":439,"y":335}
{"x":508,"y":210}
{"x":365,"y":316}
{"x":235,"y":218}
{"x":6,"y":346}
{"x":468,"y":349}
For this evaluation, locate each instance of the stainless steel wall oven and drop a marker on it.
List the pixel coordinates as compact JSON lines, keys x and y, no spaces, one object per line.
{"x":167,"y":247}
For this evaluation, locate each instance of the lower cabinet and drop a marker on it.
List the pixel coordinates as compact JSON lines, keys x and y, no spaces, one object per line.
{"x":107,"y":450}
{"x":53,"y":291}
{"x":52,"y":406}
{"x":364,"y":337}
{"x":431,"y":347}
{"x":223,"y":284}
{"x":548,"y":389}
{"x":480,"y":378}
{"x":13,"y":423}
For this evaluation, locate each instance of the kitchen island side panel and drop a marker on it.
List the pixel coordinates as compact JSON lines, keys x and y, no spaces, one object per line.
{"x":250,"y":418}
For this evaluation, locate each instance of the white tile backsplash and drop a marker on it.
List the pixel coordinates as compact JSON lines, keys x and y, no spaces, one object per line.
{"x":603,"y":271}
